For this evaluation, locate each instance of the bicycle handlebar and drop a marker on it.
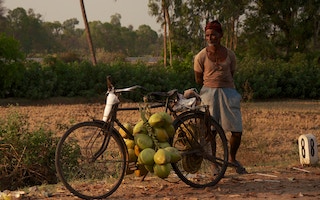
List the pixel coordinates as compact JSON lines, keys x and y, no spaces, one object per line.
{"x":132,"y":88}
{"x":129,"y":89}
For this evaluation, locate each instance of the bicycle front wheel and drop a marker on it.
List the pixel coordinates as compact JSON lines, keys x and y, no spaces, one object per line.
{"x":91,"y":161}
{"x":203,"y":147}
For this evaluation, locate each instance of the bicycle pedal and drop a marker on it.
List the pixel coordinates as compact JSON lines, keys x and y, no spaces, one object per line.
{"x":132,"y":166}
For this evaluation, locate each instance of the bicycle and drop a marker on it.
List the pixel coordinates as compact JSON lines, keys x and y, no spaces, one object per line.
{"x":92,"y":158}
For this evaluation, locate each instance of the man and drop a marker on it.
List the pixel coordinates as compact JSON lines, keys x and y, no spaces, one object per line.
{"x":214,"y":67}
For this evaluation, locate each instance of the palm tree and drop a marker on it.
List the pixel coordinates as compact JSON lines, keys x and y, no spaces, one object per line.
{"x":89,"y":39}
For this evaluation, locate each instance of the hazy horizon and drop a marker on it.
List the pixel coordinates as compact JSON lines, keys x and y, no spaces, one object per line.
{"x":133,"y":12}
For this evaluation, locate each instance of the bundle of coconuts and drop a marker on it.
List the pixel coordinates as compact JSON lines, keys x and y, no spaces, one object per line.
{"x":150,"y":148}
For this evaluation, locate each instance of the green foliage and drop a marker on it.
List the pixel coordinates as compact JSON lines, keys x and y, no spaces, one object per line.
{"x":267,"y":29}
{"x":28,"y":29}
{"x":255,"y":78}
{"x":298,"y":78}
{"x":11,"y":66}
{"x":26,"y":158}
{"x":69,"y":57}
{"x":9,"y":49}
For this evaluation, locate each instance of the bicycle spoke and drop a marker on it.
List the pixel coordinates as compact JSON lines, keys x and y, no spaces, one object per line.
{"x":203,"y":147}
{"x":89,"y":157}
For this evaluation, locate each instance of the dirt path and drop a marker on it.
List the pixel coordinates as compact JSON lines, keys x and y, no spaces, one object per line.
{"x":259,"y":184}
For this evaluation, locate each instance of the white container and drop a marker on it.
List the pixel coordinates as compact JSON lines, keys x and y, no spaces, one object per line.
{"x":308,"y":149}
{"x":110,"y":101}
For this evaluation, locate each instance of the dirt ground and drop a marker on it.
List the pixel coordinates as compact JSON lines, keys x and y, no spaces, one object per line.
{"x":269,"y":152}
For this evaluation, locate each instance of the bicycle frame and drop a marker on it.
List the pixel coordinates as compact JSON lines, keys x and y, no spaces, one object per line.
{"x":112,"y":105}
{"x":185,"y":118}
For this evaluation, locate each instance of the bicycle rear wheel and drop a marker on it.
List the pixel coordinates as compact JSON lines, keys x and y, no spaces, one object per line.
{"x":204,"y":149}
{"x":90,"y":161}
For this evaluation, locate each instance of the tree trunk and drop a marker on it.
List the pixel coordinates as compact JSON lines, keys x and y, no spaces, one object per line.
{"x":164,"y":35}
{"x":89,"y":39}
{"x":169,"y":33}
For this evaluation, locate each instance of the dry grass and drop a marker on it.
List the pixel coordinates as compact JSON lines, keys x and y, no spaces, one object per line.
{"x":271,"y":129}
{"x":271,"y":132}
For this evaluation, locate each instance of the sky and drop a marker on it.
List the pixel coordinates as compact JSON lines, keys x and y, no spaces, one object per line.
{"x":133,"y":12}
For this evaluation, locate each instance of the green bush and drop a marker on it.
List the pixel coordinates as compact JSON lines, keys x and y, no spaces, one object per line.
{"x":26,"y":158}
{"x":297,"y":78}
{"x":255,"y":78}
{"x":11,"y":65}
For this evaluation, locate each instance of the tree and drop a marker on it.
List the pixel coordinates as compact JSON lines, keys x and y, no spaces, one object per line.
{"x":181,"y":23}
{"x":229,"y":15}
{"x":145,"y":37}
{"x":288,"y":25}
{"x":2,"y":18}
{"x":27,"y":28}
{"x":11,"y":67}
{"x":2,"y":9}
{"x":116,"y":19}
{"x":160,"y":9}
{"x":69,"y":26}
{"x":54,"y":27}
{"x":89,"y":39}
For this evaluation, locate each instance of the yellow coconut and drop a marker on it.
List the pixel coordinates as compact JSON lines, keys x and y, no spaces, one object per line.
{"x":137,"y":150}
{"x":129,"y":143}
{"x":141,"y":171}
{"x":161,"y":134}
{"x":129,"y":127}
{"x":162,"y":157}
{"x":132,"y":155}
{"x":139,"y":128}
{"x":156,"y":120}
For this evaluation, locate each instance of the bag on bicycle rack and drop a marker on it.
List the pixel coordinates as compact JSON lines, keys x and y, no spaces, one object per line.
{"x":187,"y":101}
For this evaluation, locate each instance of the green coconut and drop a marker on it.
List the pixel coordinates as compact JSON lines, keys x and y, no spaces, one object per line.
{"x":167,"y":118}
{"x":170,"y":130}
{"x":149,"y":168}
{"x":163,"y":145}
{"x":162,"y":171}
{"x":146,"y":156}
{"x":175,"y":155}
{"x":143,"y":141}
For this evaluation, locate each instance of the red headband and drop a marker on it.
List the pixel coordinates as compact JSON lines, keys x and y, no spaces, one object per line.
{"x":214,"y":25}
